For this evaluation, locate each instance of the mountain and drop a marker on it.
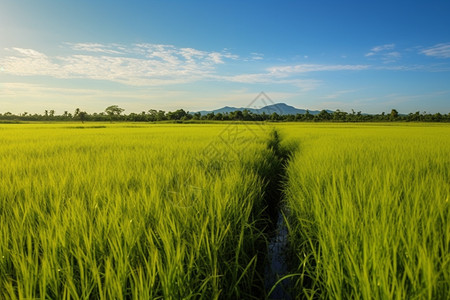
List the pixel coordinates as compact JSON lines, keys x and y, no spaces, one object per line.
{"x":279,"y":108}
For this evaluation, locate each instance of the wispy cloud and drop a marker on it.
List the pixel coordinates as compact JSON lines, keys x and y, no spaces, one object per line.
{"x":380,"y":48}
{"x":288,"y":75}
{"x":270,"y":78}
{"x":439,"y":51}
{"x":139,"y":64}
{"x":97,"y":48}
{"x":28,"y":62}
{"x":257,"y":56}
{"x":440,"y":67}
{"x":154,"y":65}
{"x":306,"y":68}
{"x":249,"y":78}
{"x":385,"y":53}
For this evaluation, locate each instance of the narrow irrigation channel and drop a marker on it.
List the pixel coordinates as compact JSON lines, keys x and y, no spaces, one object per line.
{"x":275,"y":257}
{"x":278,"y":266}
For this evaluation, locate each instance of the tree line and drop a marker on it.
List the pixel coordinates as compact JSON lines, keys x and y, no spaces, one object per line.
{"x":115,"y":113}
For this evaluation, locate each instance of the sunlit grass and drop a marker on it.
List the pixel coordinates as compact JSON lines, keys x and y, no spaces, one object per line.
{"x":370,"y":210}
{"x":129,"y":212}
{"x":171,"y":211}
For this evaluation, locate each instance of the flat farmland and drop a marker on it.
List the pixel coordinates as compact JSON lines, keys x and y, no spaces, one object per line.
{"x":176,"y":211}
{"x":368,"y":209}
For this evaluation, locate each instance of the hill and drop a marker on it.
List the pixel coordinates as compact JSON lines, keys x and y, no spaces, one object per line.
{"x":279,"y":108}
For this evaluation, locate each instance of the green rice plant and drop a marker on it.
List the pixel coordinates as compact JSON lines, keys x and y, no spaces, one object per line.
{"x":130,"y":212}
{"x":369,"y":211}
{"x":174,"y":211}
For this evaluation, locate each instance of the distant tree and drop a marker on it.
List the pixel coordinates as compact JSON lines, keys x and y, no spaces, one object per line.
{"x":308,"y":116}
{"x":161,"y":115}
{"x":324,"y":115}
{"x":417,"y":116}
{"x":359,"y":116}
{"x":197,"y":116}
{"x":152,"y":114}
{"x":82,"y":115}
{"x":289,"y":118}
{"x":394,"y":115}
{"x":247,"y":115}
{"x":238,"y":115}
{"x":187,"y":117}
{"x":113,"y":111}
{"x":176,"y":115}
{"x":437,"y":117}
{"x":132,"y":117}
{"x":339,"y":115}
{"x":275,"y":117}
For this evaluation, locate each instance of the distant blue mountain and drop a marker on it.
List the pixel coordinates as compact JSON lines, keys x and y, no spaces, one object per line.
{"x":279,"y":108}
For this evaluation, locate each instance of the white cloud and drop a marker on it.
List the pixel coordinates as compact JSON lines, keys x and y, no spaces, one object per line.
{"x":137,"y":65}
{"x":439,"y":50}
{"x":390,"y":57}
{"x":28,"y":62}
{"x":383,"y":52}
{"x":380,"y":48}
{"x":440,"y":67}
{"x":383,"y":47}
{"x":249,"y":78}
{"x":286,"y":75}
{"x":97,"y":48}
{"x":257,"y":56}
{"x":30,"y":53}
{"x":140,"y":64}
{"x":305,"y":68}
{"x":150,"y":65}
{"x":159,"y":65}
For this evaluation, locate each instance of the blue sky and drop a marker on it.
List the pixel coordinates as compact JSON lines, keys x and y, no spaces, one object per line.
{"x":369,"y":56}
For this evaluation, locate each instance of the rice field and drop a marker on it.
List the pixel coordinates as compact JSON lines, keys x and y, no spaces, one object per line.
{"x":114,"y":212}
{"x":369,"y":211}
{"x":179,"y":211}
